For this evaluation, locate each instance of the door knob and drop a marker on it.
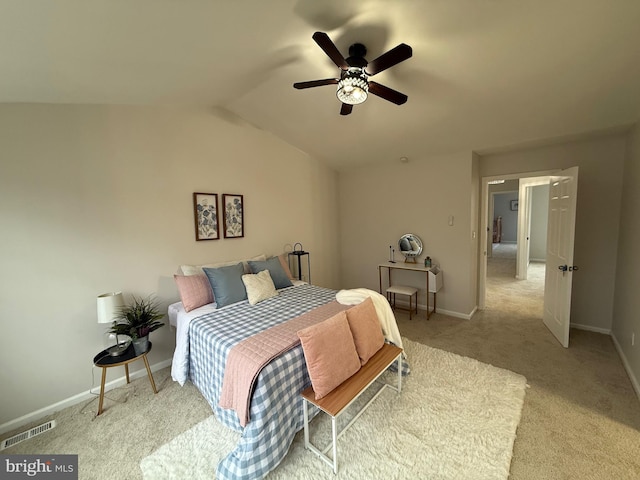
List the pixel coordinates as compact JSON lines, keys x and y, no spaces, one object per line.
{"x":565,"y":268}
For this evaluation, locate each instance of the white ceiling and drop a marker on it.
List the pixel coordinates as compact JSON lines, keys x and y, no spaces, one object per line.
{"x":484,"y":73}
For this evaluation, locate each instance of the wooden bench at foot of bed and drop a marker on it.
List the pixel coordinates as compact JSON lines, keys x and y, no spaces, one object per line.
{"x":337,"y":401}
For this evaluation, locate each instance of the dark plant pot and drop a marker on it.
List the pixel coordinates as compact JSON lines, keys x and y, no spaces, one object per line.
{"x":140,"y":345}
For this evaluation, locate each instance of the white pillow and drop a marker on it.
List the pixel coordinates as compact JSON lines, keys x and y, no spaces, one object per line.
{"x":259,"y":286}
{"x":258,"y":258}
{"x":197,"y":269}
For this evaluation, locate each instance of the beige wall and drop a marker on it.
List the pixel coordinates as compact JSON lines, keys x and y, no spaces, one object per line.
{"x":626,"y":319}
{"x":380,"y":202}
{"x":96,"y":199}
{"x":539,"y":220}
{"x":600,"y":161}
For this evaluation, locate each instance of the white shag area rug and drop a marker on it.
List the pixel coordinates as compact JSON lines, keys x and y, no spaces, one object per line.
{"x":456,"y":418}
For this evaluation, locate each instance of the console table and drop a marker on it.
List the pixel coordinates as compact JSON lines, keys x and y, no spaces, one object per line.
{"x":415,"y":268}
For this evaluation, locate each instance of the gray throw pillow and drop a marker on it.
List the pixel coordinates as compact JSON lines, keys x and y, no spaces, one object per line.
{"x":278,"y":275}
{"x":227,"y":285}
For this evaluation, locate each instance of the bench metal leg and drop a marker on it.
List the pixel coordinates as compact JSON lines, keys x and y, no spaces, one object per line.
{"x":305,"y":412}
{"x":334,"y":435}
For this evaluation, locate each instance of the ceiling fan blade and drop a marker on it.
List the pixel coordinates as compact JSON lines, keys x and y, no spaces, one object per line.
{"x":346,"y":109}
{"x":389,"y":59}
{"x":315,"y":83}
{"x":325,"y":43}
{"x":387,"y":93}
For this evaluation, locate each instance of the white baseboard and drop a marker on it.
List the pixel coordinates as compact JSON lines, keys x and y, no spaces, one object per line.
{"x":80,"y":397}
{"x":473,"y":312}
{"x":589,"y":328}
{"x":627,"y":367}
{"x":423,"y":307}
{"x":450,"y":313}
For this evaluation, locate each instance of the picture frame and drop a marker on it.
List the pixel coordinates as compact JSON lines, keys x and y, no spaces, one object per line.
{"x":514,"y":205}
{"x":232,"y":215}
{"x":205,"y":213}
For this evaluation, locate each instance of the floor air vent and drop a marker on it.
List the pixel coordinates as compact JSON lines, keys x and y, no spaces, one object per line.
{"x":10,"y":442}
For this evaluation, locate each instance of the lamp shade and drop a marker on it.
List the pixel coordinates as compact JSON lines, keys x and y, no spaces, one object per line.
{"x":109,"y":305}
{"x":352,"y":91}
{"x":353,"y":87}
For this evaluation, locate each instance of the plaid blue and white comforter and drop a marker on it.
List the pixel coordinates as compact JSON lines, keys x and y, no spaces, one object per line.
{"x":276,"y":405}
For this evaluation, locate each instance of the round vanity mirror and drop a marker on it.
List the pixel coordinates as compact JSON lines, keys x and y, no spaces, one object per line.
{"x":410,"y":246}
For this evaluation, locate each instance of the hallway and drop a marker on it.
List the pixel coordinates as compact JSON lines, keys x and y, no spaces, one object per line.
{"x":504,"y":291}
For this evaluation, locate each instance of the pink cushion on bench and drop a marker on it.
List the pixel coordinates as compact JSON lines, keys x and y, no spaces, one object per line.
{"x":330,"y":353}
{"x":366,"y":329}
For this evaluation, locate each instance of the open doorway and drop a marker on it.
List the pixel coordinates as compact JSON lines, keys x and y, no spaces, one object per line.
{"x":515,"y":210}
{"x":561,"y":215}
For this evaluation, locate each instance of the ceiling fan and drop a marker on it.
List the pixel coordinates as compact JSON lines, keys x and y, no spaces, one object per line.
{"x":354,"y":84}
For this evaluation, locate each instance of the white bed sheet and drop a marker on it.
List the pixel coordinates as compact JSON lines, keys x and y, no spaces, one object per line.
{"x":180,"y":319}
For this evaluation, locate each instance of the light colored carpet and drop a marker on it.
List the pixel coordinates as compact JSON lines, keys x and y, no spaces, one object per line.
{"x":505,"y":292}
{"x":456,"y":418}
{"x":581,"y":417}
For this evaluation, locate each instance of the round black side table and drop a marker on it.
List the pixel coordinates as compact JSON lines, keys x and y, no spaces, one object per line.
{"x":104,"y":360}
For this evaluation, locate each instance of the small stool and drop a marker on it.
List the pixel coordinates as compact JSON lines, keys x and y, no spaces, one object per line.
{"x":402,"y":290}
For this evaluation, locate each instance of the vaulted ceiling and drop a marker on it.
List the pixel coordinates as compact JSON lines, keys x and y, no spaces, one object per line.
{"x":484,"y":73}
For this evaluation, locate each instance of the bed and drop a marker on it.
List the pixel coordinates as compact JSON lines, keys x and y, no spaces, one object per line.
{"x":204,"y":337}
{"x":257,"y":317}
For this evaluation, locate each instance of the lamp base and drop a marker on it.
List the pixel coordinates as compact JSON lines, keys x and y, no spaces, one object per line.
{"x":118,"y":350}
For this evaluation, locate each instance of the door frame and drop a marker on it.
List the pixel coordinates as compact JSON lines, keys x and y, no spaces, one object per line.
{"x":484,"y":225}
{"x":524,"y":222}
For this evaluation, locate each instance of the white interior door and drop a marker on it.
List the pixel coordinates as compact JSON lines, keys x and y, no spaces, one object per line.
{"x":560,"y":238}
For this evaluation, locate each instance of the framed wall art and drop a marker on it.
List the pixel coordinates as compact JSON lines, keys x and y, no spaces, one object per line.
{"x":514,"y":205}
{"x":205,"y":212}
{"x":233,"y":216}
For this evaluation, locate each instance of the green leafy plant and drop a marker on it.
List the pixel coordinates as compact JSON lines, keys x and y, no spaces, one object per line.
{"x":138,"y":319}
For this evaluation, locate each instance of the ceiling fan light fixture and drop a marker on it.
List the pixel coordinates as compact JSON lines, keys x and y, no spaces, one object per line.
{"x":353,"y":84}
{"x":353,"y":87}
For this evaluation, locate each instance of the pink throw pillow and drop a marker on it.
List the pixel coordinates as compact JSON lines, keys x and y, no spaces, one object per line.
{"x":330,"y":353}
{"x":195,"y":291}
{"x":366,"y":329}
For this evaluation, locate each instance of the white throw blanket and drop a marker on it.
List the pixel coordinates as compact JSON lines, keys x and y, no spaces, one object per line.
{"x":383,"y":309}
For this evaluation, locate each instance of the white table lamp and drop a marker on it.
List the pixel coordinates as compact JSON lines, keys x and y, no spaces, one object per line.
{"x":109,"y":305}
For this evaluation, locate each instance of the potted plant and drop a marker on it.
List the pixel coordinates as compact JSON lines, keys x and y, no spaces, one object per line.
{"x":138,"y":320}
